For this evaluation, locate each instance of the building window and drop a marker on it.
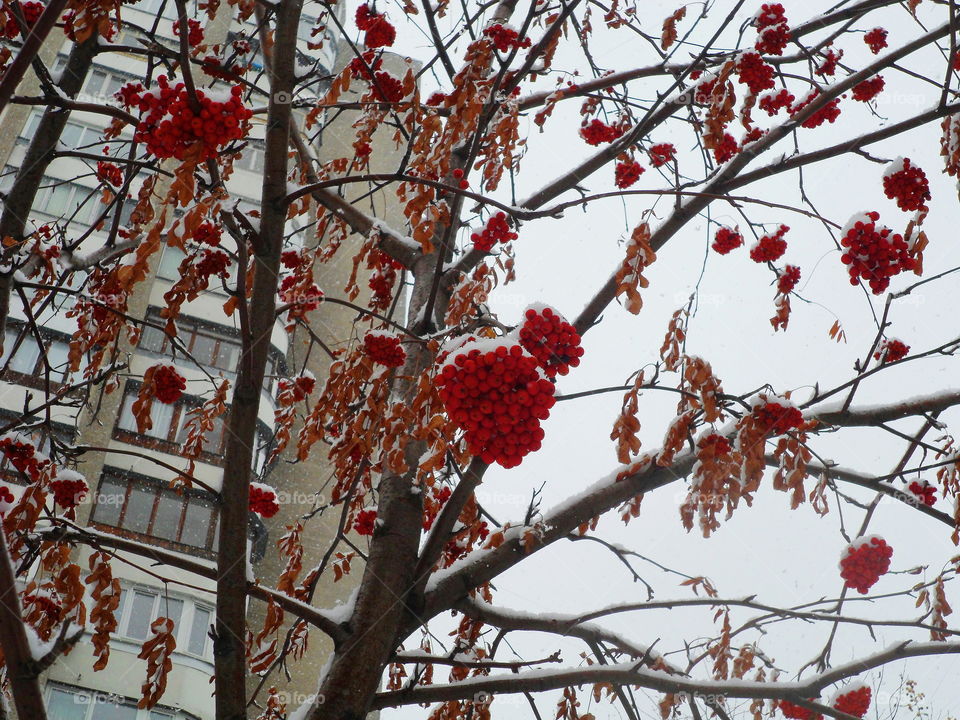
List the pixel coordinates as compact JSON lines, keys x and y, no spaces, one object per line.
{"x":72,"y":703}
{"x":214,"y":347}
{"x":22,"y":360}
{"x":76,"y":135}
{"x":169,"y":431}
{"x":145,"y":507}
{"x":191,"y":621}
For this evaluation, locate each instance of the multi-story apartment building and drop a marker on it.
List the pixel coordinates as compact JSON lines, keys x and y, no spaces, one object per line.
{"x":128,"y":471}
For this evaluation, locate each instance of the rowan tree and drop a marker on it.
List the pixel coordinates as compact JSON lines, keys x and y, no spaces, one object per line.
{"x":730,"y":228}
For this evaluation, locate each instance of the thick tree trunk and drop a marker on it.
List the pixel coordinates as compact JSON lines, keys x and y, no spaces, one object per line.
{"x":257,"y":328}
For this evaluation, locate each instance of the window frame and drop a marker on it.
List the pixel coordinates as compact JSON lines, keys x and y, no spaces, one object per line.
{"x":131,"y":481}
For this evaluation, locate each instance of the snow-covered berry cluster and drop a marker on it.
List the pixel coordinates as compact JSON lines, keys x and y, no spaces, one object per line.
{"x":714,"y":445}
{"x":726,"y":240}
{"x":213,"y":263}
{"x":263,"y":500}
{"x":868,"y":89}
{"x":597,"y":132}
{"x":907,"y":184}
{"x":505,"y":38}
{"x":788,"y":279}
{"x":770,"y":247}
{"x":876,"y":39}
{"x":496,"y":392}
{"x":22,"y":454}
{"x":168,"y":384}
{"x":496,"y":231}
{"x":774,"y":102}
{"x":854,"y":701}
{"x":387,"y":87}
{"x":864,"y":561}
{"x":924,"y":491}
{"x":365,"y":522}
{"x":553,"y":341}
{"x":170,"y":128}
{"x":773,"y":33}
{"x":828,"y":113}
{"x":829,"y":65}
{"x":109,"y":173}
{"x":627,"y":172}
{"x":378,"y":30}
{"x":208,"y":233}
{"x":31,"y":13}
{"x":194,"y":31}
{"x":68,"y":488}
{"x":302,"y":297}
{"x":726,"y":148}
{"x":753,"y":72}
{"x":384,"y":349}
{"x":873,"y":252}
{"x":661,"y":154}
{"x":778,"y":418}
{"x":891,"y":350}
{"x":797,"y":712}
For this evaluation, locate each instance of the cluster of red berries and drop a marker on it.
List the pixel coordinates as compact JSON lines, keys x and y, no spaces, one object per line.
{"x":553,"y":341}
{"x":854,"y":702}
{"x":754,"y":72}
{"x":773,"y":33}
{"x":6,"y":500}
{"x":926,"y":492}
{"x":797,"y":712}
{"x":168,"y":385}
{"x":109,"y":173}
{"x":69,"y":488}
{"x":208,"y":233}
{"x":379,"y":31}
{"x":31,"y":13}
{"x":384,"y":348}
{"x":661,"y":154}
{"x":874,"y":253}
{"x":597,"y":132}
{"x":387,"y":87}
{"x":461,"y":180}
{"x":876,"y":40}
{"x":773,"y":103}
{"x":868,"y":89}
{"x":865,"y":561}
{"x":436,"y":99}
{"x":627,"y":173}
{"x":777,"y":418}
{"x":263,"y":500}
{"x":298,"y":387}
{"x":365,"y":522}
{"x":23,"y":456}
{"x":718,"y":445}
{"x":770,"y":247}
{"x":366,"y":63}
{"x":828,"y":113}
{"x":907,"y":184}
{"x":788,"y":279}
{"x":497,"y":230}
{"x":169,"y":126}
{"x":891,"y":351}
{"x":194,"y":32}
{"x":505,"y":38}
{"x":498,"y":395}
{"x":213,"y":262}
{"x":305,"y":299}
{"x":726,"y":240}
{"x":726,"y":148}
{"x":829,"y":64}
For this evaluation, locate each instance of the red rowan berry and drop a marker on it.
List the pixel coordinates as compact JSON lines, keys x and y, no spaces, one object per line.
{"x":553,"y":341}
{"x":855,"y":701}
{"x":788,"y":279}
{"x":497,"y":230}
{"x":597,"y":132}
{"x":907,"y":184}
{"x":726,"y":240}
{"x":505,"y":38}
{"x":770,"y":247}
{"x":168,"y":385}
{"x":876,"y":40}
{"x":626,"y":173}
{"x":661,"y":154}
{"x":891,"y":351}
{"x":773,"y":34}
{"x":864,"y":561}
{"x":798,"y":712}
{"x":777,"y":418}
{"x":924,"y":491}
{"x":384,"y":348}
{"x":772,"y":103}
{"x":263,"y":500}
{"x":365,"y":522}
{"x":873,"y":252}
{"x":753,"y":72}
